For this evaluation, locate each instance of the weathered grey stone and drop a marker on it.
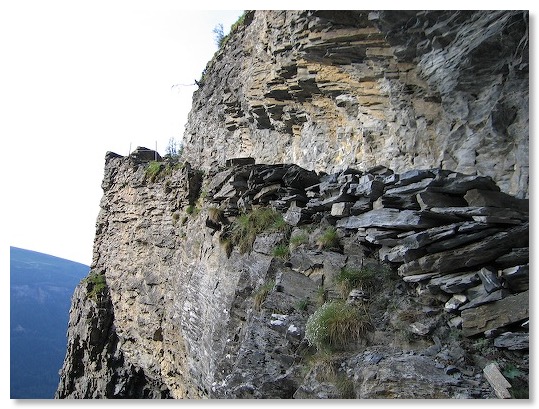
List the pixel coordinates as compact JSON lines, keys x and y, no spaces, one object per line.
{"x":218,"y":180}
{"x":361,"y":205}
{"x":269,"y":190}
{"x":455,"y":302}
{"x":476,"y":197}
{"x":389,"y":218}
{"x":428,"y":199}
{"x":513,"y":341}
{"x":410,"y":189}
{"x":400,"y":253}
{"x":418,"y":277}
{"x":298,"y":286}
{"x":227,"y":191}
{"x":420,"y":328}
{"x":425,"y":237}
{"x":484,"y":299}
{"x":379,"y":236}
{"x":266,"y":243}
{"x":341,"y":209}
{"x":471,"y":255}
{"x":454,"y":283}
{"x":412,"y":176}
{"x":296,"y":215}
{"x":511,"y":309}
{"x":497,"y":381}
{"x":141,"y":155}
{"x":489,"y":278}
{"x":517,"y":256}
{"x":508,"y":216}
{"x":455,"y":322}
{"x":300,"y":178}
{"x":239,"y":161}
{"x":516,"y":278}
{"x":372,"y":189}
{"x":459,"y":185}
{"x":322,"y":88}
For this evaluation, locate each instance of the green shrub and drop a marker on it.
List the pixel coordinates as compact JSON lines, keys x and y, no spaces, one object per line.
{"x":153,"y":169}
{"x":328,"y":239}
{"x":262,"y":293}
{"x":369,"y":278}
{"x":281,"y":251}
{"x":335,"y":325}
{"x":220,"y":38}
{"x":350,"y":278}
{"x":247,"y":226}
{"x":95,"y":285}
{"x":239,"y":22}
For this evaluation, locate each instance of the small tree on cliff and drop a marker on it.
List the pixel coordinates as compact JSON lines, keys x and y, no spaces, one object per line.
{"x":174,"y":148}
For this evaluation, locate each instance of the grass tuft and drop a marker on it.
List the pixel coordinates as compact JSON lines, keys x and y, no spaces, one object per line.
{"x":281,"y":251}
{"x":328,"y":239}
{"x":299,"y":239}
{"x":335,"y":325}
{"x":262,"y":293}
{"x":247,"y":226}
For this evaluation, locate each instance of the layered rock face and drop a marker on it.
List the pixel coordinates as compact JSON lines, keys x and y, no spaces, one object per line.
{"x":374,"y":162}
{"x":331,"y":89}
{"x":198,"y":304}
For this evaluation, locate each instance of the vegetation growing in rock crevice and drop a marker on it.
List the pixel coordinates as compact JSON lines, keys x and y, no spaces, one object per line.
{"x":247,"y":226}
{"x":350,"y":278}
{"x":95,"y":285}
{"x":262,"y":293}
{"x":281,"y":251}
{"x":156,"y":170}
{"x":328,"y":239}
{"x":336,"y":324}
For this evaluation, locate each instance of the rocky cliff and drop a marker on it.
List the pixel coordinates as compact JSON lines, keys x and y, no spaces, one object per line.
{"x":331,"y":89}
{"x":371,"y":240}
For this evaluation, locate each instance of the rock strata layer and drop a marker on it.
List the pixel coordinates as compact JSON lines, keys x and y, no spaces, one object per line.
{"x":330,"y":89}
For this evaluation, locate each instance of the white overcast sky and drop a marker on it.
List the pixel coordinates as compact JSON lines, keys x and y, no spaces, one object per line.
{"x":77,"y":82}
{"x":80,"y":78}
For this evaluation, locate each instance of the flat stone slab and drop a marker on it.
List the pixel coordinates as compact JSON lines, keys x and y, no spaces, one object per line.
{"x":515,"y":257}
{"x":468,"y":256}
{"x":459,"y":185}
{"x":497,"y":381}
{"x":513,"y":341}
{"x":476,"y":197}
{"x":455,"y":283}
{"x":391,"y":219}
{"x":517,"y":278}
{"x":494,"y":315}
{"x":429,"y":199}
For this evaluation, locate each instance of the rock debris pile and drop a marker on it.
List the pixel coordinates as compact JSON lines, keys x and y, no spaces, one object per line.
{"x":452,"y":235}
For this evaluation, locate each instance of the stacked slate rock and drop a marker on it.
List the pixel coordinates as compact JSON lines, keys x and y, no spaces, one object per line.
{"x":450,"y":234}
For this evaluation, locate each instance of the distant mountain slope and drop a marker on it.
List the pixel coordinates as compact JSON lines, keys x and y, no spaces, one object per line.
{"x":41,"y":288}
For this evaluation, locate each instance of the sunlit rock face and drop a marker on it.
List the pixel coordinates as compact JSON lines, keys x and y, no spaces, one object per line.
{"x":331,"y":89}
